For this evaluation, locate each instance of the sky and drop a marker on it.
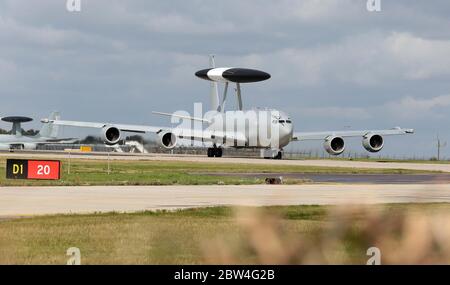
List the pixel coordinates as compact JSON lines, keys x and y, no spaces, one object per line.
{"x":334,"y":64}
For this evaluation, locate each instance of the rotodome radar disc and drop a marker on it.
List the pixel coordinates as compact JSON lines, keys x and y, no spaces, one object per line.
{"x":236,"y":75}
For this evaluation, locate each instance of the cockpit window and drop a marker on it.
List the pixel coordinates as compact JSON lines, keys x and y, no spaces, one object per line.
{"x":288,"y":121}
{"x":281,"y":121}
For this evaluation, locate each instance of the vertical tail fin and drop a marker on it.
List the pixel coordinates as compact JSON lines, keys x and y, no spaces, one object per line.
{"x":215,"y":105}
{"x":50,"y":130}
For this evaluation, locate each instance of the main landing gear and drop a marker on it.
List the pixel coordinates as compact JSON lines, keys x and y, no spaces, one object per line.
{"x":272,"y":153}
{"x":279,"y":155}
{"x":215,"y":152}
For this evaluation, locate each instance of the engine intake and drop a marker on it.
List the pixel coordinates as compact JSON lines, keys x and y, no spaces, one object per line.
{"x":111,"y":135}
{"x":334,"y":145}
{"x":167,"y":140}
{"x":373,"y":142}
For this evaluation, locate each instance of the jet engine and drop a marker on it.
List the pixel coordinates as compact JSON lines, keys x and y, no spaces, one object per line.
{"x":373,"y":142}
{"x":111,"y":135}
{"x":167,"y":140}
{"x":29,"y":146}
{"x":334,"y":145}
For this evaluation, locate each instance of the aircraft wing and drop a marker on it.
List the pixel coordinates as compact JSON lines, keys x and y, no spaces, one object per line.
{"x":303,"y":136}
{"x":183,"y":133}
{"x":122,"y":127}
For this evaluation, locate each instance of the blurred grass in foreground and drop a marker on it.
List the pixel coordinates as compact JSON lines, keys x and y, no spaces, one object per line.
{"x":405,"y":233}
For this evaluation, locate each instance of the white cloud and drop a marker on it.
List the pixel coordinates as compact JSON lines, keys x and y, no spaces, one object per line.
{"x":365,"y":59}
{"x":403,"y":109}
{"x":419,"y":58}
{"x":420,"y":108}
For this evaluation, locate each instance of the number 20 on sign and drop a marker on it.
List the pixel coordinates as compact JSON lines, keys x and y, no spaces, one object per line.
{"x":33,"y":169}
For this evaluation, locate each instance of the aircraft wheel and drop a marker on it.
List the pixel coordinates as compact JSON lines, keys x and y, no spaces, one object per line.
{"x":218,"y":152}
{"x":210,"y":152}
{"x":279,"y":155}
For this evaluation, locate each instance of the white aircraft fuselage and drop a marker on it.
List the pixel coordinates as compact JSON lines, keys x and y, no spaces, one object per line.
{"x":256,"y":128}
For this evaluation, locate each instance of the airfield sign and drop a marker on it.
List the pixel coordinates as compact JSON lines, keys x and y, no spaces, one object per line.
{"x":33,"y":169}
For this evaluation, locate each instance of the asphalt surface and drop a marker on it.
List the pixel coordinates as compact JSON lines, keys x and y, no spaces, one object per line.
{"x":440,"y":167}
{"x":26,"y":201}
{"x":348,"y":178}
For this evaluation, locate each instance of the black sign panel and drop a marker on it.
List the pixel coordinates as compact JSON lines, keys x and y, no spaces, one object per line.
{"x":33,"y":169}
{"x":16,"y":169}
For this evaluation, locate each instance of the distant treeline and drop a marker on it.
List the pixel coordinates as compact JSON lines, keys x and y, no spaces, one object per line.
{"x":30,"y":132}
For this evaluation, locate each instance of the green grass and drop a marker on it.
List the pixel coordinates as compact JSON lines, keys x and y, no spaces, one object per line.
{"x":94,"y":172}
{"x":195,"y":236}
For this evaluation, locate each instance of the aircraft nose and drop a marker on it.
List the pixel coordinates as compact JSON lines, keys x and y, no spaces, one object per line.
{"x":286,"y":134}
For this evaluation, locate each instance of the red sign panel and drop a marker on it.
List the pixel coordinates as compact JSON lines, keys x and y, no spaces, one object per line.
{"x":43,"y":169}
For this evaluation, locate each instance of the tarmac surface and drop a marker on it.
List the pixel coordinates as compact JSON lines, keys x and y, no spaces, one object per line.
{"x":440,"y":167}
{"x":439,"y":178}
{"x":27,"y":201}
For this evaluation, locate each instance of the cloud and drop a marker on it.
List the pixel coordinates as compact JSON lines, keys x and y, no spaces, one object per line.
{"x":418,"y":57}
{"x":365,"y":59}
{"x":334,"y":112}
{"x":420,"y":108}
{"x":7,"y":69}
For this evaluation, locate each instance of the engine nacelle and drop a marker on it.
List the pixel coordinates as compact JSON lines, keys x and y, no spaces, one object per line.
{"x":373,"y":142}
{"x":29,"y":146}
{"x":111,"y":135}
{"x":167,"y":140}
{"x":334,"y":145}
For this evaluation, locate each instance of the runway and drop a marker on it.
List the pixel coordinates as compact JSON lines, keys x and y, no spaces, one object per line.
{"x":440,"y":167}
{"x":26,"y":201}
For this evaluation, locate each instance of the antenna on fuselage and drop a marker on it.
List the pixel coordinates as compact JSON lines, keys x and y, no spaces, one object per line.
{"x":233,"y":75}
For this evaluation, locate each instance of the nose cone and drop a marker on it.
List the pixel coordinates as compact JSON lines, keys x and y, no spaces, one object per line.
{"x":203,"y":74}
{"x":245,"y":75}
{"x":285,"y":134}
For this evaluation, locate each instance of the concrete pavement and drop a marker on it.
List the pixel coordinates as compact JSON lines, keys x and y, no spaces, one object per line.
{"x":23,"y":201}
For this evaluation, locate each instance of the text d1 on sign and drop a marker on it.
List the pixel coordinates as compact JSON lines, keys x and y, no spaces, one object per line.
{"x":33,"y":169}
